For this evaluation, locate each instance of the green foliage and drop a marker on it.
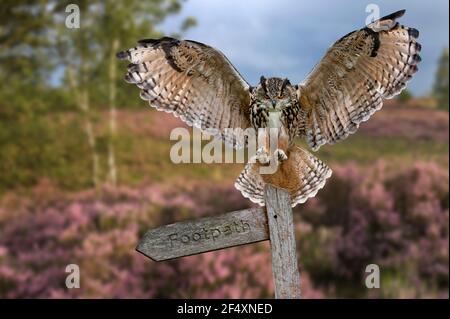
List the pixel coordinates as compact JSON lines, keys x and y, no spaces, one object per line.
{"x":366,"y":150}
{"x":188,"y":23}
{"x":53,"y":147}
{"x":36,"y":47}
{"x":35,"y":148}
{"x":440,"y":89}
{"x":107,"y":27}
{"x":39,"y":138}
{"x":25,"y":67}
{"x":405,"y":96}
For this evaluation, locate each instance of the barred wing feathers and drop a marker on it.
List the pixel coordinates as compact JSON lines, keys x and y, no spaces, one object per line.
{"x":302,"y":175}
{"x":193,"y":81}
{"x":355,"y":75}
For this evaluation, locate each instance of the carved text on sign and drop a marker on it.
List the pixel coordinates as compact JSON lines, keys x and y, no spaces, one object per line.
{"x":205,"y":234}
{"x":208,"y":234}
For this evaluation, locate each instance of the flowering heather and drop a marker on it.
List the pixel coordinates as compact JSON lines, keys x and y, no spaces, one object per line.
{"x":99,"y":233}
{"x":396,"y":219}
{"x":411,"y":123}
{"x":393,"y":121}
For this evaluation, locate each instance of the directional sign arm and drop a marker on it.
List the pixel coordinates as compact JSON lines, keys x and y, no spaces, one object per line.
{"x":205,"y":234}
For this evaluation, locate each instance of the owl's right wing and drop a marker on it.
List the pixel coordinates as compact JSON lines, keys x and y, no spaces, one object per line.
{"x":357,"y":72}
{"x":193,"y":81}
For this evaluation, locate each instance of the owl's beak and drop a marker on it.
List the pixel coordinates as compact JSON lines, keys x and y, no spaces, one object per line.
{"x":274,"y":103}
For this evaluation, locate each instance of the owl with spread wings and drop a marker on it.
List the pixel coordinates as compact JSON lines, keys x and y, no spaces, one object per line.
{"x":198,"y":84}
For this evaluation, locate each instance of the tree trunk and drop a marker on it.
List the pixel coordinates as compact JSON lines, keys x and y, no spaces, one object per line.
{"x":89,"y":128}
{"x":82,"y":98}
{"x":112,"y":168}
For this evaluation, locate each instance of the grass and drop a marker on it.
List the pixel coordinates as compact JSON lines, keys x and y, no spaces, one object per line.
{"x":54,"y":147}
{"x":365,"y":150}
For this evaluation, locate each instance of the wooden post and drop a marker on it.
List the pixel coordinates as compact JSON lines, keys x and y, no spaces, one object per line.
{"x":285,"y":271}
{"x":234,"y":229}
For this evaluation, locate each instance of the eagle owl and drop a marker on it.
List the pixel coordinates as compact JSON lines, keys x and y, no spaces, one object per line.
{"x":198,"y":84}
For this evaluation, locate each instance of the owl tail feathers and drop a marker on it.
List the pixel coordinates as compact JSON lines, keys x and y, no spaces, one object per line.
{"x":302,"y":175}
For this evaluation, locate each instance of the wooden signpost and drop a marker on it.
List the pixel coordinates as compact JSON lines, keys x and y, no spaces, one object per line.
{"x":274,"y":223}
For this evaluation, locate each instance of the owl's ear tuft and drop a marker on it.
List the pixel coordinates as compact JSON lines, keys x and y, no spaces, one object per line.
{"x":262,"y":80}
{"x":286,"y":82}
{"x":393,"y":16}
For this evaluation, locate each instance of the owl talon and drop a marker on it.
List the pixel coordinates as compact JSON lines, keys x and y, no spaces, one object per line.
{"x":280,"y":155}
{"x":262,"y":156}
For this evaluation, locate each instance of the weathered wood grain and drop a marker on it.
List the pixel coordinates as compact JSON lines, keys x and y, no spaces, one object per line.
{"x":205,"y":234}
{"x":282,"y":241}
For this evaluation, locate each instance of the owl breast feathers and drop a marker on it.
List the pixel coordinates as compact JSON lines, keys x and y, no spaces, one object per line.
{"x":199,"y":85}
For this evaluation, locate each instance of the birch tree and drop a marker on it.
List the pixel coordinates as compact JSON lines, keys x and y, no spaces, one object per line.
{"x":42,"y":36}
{"x":122,"y":25}
{"x":77,"y":54}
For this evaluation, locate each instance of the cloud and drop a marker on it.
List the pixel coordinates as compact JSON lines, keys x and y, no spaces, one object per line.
{"x":288,"y":37}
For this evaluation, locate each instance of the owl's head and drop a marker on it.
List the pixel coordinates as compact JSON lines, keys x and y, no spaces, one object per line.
{"x":274,"y":93}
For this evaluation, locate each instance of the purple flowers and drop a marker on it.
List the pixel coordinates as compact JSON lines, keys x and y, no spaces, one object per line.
{"x":396,"y":219}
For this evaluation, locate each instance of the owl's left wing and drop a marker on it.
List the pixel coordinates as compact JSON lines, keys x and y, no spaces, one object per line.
{"x":357,"y":72}
{"x":193,"y":81}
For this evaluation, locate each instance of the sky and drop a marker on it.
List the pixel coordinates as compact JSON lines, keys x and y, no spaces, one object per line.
{"x":287,"y":38}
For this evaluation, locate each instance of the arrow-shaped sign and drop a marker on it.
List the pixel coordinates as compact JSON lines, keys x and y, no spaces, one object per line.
{"x":205,"y":234}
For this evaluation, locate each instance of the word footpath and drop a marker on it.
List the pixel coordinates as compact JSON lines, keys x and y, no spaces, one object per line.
{"x":236,"y":227}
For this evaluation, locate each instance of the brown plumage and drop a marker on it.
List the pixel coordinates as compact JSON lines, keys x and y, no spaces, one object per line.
{"x":194,"y":82}
{"x":198,"y":84}
{"x":356,"y":73}
{"x":302,"y":175}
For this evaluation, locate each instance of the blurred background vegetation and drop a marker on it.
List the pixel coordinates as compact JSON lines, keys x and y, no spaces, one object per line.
{"x":85,"y":170}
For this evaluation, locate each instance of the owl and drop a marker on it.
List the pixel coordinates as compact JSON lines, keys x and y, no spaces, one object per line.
{"x":198,"y":84}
